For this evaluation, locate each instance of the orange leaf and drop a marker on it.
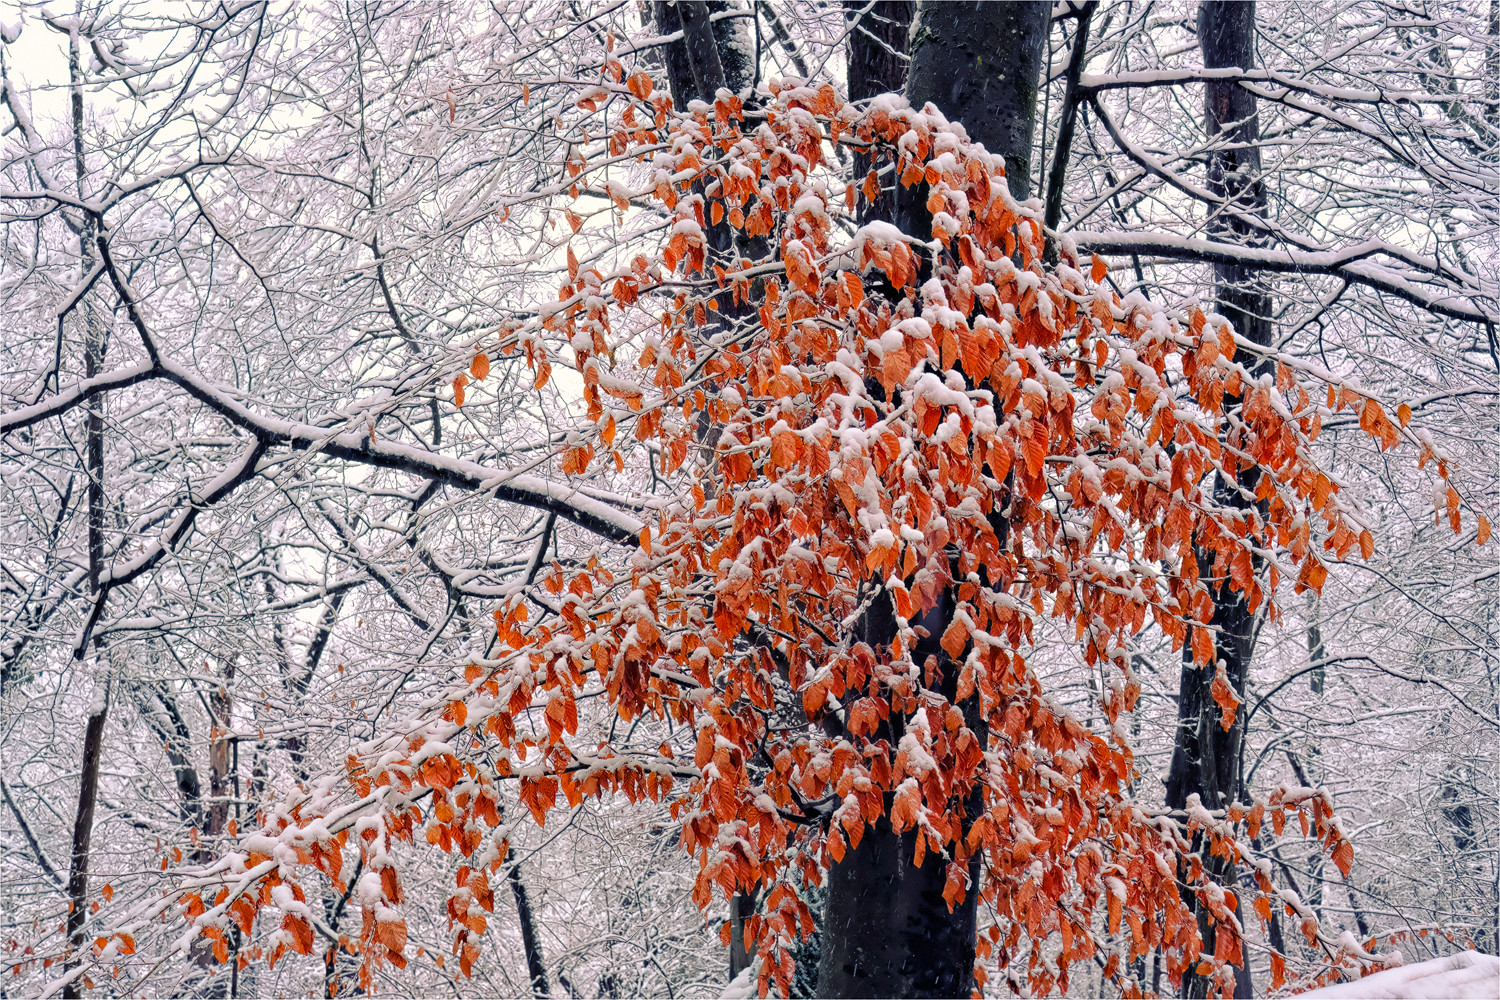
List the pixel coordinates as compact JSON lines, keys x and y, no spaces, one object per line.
{"x":1343,"y":856}
{"x":392,"y":934}
{"x":786,"y":448}
{"x":955,"y":638}
{"x":458,"y":389}
{"x":1203,"y":646}
{"x":480,"y":366}
{"x":1484,"y":530}
{"x":1099,"y":269}
{"x":640,"y":85}
{"x":1227,"y":700}
{"x":1313,"y":574}
{"x":1403,"y":414}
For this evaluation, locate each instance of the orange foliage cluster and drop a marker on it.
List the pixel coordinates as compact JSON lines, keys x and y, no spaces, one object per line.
{"x":1013,"y":440}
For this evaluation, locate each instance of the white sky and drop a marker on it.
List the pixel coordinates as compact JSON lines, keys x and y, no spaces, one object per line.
{"x":36,"y":62}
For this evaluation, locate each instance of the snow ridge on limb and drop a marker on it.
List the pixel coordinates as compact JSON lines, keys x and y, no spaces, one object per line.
{"x":1353,"y":263}
{"x":870,"y":445}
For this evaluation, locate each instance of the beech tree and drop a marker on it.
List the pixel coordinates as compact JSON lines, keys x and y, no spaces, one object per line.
{"x":508,"y":428}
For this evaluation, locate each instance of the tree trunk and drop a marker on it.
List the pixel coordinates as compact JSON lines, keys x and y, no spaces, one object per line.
{"x":1206,"y":757}
{"x":980,"y":64}
{"x":713,"y":54}
{"x":887,"y":931}
{"x":536,"y":970}
{"x":1065,"y":127}
{"x":741,"y":951}
{"x":219,"y":746}
{"x":93,"y":735}
{"x":877,"y":65}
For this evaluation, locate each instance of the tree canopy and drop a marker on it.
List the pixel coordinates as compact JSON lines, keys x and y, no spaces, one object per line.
{"x":665,"y":474}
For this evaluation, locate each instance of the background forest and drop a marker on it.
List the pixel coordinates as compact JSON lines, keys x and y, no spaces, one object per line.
{"x":252,"y":253}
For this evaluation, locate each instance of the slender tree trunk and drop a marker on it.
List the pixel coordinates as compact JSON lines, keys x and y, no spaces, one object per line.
{"x":1317,"y":653}
{"x":536,"y":970}
{"x":887,"y":931}
{"x":1065,"y":128}
{"x":877,"y":65}
{"x":712,"y":54}
{"x":1206,"y":757}
{"x":220,"y":745}
{"x":93,"y":734}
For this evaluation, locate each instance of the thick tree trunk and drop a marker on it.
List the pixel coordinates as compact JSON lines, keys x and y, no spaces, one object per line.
{"x":713,"y":53}
{"x":980,"y":63}
{"x":741,"y":951}
{"x":887,"y":931}
{"x":1206,"y":757}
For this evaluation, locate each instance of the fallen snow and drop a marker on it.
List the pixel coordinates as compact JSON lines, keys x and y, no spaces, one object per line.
{"x":1460,"y":977}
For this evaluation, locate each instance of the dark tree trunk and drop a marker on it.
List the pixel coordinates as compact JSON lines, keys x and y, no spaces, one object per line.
{"x":220,"y":745}
{"x":741,"y":951}
{"x":877,"y":65}
{"x":536,"y":969}
{"x":1206,"y":757}
{"x":95,"y":344}
{"x":980,"y":63}
{"x":887,"y":931}
{"x":1065,"y":128}
{"x":712,"y":54}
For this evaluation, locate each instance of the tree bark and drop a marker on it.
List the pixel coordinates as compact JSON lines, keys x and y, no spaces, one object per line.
{"x":1206,"y":757}
{"x":887,"y":931}
{"x":712,"y":54}
{"x":980,"y":63}
{"x":877,"y":65}
{"x":741,"y":951}
{"x":1065,"y":128}
{"x":536,"y":970}
{"x":93,"y":735}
